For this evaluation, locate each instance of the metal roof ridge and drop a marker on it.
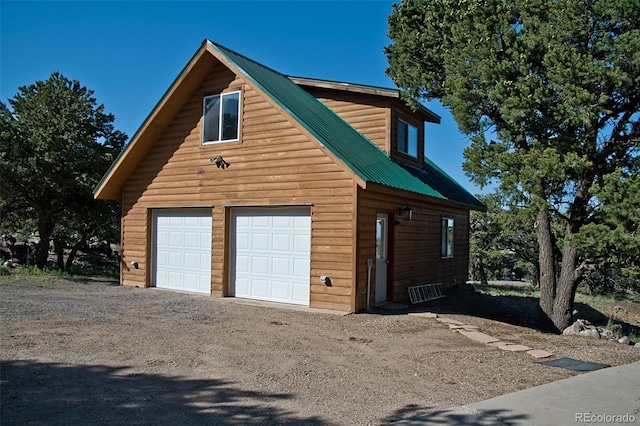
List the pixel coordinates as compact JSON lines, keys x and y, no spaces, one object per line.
{"x":344,"y":83}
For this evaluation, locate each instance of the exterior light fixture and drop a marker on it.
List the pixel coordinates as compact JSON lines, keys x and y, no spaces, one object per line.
{"x":220,"y":163}
{"x":406,"y":212}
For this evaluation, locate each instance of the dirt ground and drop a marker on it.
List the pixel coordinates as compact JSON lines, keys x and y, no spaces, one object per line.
{"x":92,"y":352}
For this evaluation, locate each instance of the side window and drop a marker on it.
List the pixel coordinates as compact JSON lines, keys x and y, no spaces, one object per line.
{"x":407,"y":139}
{"x":221,"y":118}
{"x":446,"y":251}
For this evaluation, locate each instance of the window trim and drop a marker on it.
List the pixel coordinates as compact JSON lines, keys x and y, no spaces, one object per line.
{"x":221,"y":96}
{"x":447,"y":246}
{"x":417,"y":140}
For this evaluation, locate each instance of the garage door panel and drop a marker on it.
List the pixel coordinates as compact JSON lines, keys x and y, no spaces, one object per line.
{"x":175,"y":259}
{"x":281,"y":266}
{"x":260,"y":242}
{"x":192,"y":239}
{"x":242,"y":265}
{"x":301,"y":268}
{"x":282,"y":222}
{"x":260,"y":221}
{"x":259,"y":288}
{"x":260,"y":265}
{"x":302,"y":243}
{"x":242,"y":285}
{"x":270,"y":254}
{"x":181,"y":250}
{"x":300,"y":292}
{"x":191,"y":282}
{"x":175,"y":239}
{"x":192,"y":260}
{"x":282,"y":243}
{"x":242,"y":240}
{"x":280,"y":290}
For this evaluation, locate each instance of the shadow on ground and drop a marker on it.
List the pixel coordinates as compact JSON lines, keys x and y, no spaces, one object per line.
{"x":45,"y":393}
{"x":456,"y":417}
{"x":523,"y":311}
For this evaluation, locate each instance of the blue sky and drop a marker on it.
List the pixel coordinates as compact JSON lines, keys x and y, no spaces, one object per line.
{"x":129,"y":52}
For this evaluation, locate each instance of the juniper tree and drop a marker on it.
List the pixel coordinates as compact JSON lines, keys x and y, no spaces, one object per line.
{"x":548,"y":92}
{"x":56,"y":142}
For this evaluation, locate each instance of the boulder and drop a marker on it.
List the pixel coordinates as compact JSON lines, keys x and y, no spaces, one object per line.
{"x":590,"y":332}
{"x":624,"y":340}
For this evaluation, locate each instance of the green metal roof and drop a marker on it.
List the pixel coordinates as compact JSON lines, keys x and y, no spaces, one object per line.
{"x":365,"y":158}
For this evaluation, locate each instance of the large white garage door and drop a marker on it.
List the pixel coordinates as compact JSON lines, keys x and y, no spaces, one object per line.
{"x":181,"y":250}
{"x":270,"y":254}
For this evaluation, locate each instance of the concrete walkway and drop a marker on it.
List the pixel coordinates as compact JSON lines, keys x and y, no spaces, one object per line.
{"x":610,"y":396}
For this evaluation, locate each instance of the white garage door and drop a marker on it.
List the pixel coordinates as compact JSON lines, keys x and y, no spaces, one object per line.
{"x":270,"y":254}
{"x":181,"y":248}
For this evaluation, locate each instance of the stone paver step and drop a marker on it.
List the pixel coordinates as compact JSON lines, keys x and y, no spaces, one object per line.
{"x":472,"y":332}
{"x":424,"y":314}
{"x":514,"y":348}
{"x":478,"y":336}
{"x":449,"y":321}
{"x":538,"y":353}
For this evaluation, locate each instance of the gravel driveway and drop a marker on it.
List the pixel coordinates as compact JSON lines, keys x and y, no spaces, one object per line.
{"x":91,"y":352}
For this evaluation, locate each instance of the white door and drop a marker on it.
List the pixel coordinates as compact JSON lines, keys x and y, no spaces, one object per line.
{"x":382,"y":256}
{"x":181,"y":250}
{"x":270,"y":254}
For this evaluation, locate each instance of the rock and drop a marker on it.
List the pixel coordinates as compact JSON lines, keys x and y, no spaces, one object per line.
{"x":607,"y":334}
{"x":616,"y":329}
{"x":624,"y":340}
{"x":590,"y":332}
{"x":572,"y":329}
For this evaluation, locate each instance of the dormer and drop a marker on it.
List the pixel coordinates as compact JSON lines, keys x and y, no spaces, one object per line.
{"x":379,"y":114}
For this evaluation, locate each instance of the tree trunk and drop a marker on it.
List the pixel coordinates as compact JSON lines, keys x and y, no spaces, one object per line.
{"x":478,"y":270}
{"x":547,"y":270}
{"x":534,"y":273}
{"x":45,"y":229}
{"x":567,"y":285}
{"x":74,"y":251}
{"x":59,"y":249}
{"x":557,"y":295}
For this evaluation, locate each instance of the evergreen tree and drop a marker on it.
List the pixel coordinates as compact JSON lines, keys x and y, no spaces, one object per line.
{"x":55,"y":145}
{"x":549,"y":93}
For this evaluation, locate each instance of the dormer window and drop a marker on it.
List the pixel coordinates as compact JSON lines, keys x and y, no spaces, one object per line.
{"x":221,"y":118}
{"x":407,"y":139}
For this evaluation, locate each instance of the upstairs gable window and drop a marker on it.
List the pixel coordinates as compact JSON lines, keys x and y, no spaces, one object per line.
{"x":407,"y":139}
{"x":221,"y":118}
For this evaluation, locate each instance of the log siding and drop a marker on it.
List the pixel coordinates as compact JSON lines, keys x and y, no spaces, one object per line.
{"x":274,"y":163}
{"x":415,"y":258}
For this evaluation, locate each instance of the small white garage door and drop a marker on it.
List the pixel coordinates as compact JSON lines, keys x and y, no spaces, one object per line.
{"x":181,"y":250}
{"x":270,"y":254}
